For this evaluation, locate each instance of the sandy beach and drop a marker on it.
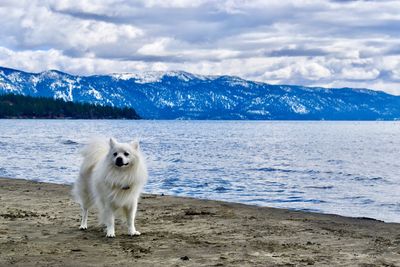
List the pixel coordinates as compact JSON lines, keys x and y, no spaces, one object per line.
{"x":39,"y":227}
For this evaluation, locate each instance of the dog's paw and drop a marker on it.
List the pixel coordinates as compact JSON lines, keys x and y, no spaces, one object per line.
{"x":82,"y":227}
{"x":110,"y":235}
{"x":133,"y":233}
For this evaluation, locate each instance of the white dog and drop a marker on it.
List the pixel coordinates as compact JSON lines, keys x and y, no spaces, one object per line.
{"x":112,"y":176}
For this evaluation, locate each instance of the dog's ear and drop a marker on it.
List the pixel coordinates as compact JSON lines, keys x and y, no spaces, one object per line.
{"x":135,"y":144}
{"x":112,"y":142}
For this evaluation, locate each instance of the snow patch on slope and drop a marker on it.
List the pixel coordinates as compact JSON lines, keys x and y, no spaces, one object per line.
{"x":95,"y":93}
{"x":144,"y":77}
{"x":157,"y":76}
{"x":295,"y":105}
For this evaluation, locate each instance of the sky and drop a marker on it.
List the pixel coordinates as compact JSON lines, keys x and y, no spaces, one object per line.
{"x":329,"y":43}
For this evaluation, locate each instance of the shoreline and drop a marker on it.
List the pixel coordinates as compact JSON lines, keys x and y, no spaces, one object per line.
{"x":39,"y":226}
{"x":226,"y":202}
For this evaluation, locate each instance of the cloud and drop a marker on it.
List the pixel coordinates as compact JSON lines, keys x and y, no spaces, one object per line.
{"x":158,"y":47}
{"x":315,"y":43}
{"x":359,"y":74}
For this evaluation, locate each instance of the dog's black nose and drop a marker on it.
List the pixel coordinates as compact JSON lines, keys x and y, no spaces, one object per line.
{"x":119,"y":162}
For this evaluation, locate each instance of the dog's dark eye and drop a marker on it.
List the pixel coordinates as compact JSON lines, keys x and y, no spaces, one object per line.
{"x":126,"y":154}
{"x":115,"y":154}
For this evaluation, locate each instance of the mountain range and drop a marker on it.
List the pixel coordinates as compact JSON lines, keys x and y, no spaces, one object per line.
{"x":182,"y":95}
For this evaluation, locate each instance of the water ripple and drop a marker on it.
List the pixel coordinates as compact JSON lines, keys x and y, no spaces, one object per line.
{"x":69,"y":142}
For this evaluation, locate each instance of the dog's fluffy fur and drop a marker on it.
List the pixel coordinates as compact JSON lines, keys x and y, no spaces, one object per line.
{"x":112,"y":177}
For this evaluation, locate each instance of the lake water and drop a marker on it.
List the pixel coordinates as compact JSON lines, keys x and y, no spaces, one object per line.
{"x":346,"y":168}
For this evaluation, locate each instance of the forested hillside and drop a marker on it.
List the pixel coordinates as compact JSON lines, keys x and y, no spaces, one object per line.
{"x":19,"y":106}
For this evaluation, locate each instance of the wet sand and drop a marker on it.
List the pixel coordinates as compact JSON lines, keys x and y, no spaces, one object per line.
{"x":39,"y":227}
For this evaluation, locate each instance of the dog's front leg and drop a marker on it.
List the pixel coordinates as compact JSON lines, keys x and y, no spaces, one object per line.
{"x":109,"y":221}
{"x":130,"y":218}
{"x":84,"y":219}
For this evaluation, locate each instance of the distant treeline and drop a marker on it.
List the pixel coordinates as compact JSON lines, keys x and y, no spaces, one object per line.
{"x":27,"y":107}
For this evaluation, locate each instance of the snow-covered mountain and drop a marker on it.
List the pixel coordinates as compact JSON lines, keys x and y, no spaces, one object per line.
{"x":182,"y":95}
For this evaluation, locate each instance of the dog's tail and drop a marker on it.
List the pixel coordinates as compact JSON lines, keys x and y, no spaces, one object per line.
{"x":93,"y":152}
